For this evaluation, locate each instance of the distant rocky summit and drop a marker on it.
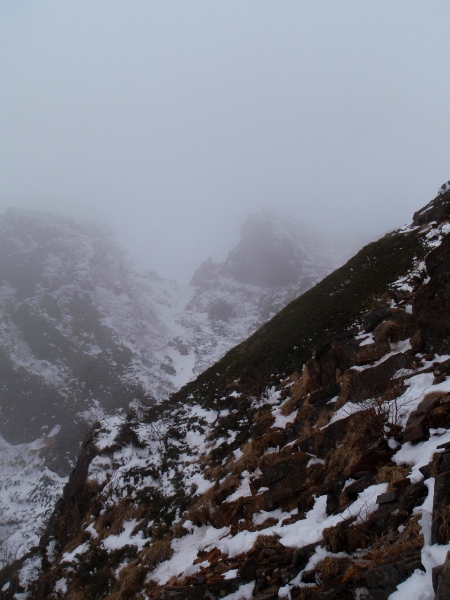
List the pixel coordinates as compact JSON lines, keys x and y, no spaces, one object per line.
{"x":275,"y":261}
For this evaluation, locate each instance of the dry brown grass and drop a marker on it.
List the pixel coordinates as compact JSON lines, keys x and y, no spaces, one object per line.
{"x":216,"y":473}
{"x":391,"y":474}
{"x":130,"y":582}
{"x":132,"y":577}
{"x":272,"y":439}
{"x":409,"y":543}
{"x":333,"y":539}
{"x":299,"y":391}
{"x":387,"y":331}
{"x":201,"y":512}
{"x":305,"y":593}
{"x":340,"y":462}
{"x":443,"y":515}
{"x":331,"y":567}
{"x":324,"y":418}
{"x":346,"y":390}
{"x":265,"y":541}
{"x":159,"y":551}
{"x":111,"y":522}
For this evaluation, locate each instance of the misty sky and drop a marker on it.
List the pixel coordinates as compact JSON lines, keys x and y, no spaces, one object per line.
{"x":170,"y":121}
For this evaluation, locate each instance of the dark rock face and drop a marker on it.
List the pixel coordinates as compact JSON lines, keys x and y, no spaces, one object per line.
{"x":437,"y":210}
{"x":432,"y":303}
{"x":284,"y":478}
{"x":441,"y":580}
{"x":375,"y":382}
{"x":221,"y":310}
{"x":379,"y":583}
{"x":344,"y":352}
{"x":440,"y":528}
{"x":438,"y":261}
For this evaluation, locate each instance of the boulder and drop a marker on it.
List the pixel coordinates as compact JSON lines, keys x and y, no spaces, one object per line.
{"x":377,"y":381}
{"x":319,"y":399}
{"x":371,"y":352}
{"x":284,"y":478}
{"x":379,"y":583}
{"x":418,"y":424}
{"x":441,"y":580}
{"x":374,"y":318}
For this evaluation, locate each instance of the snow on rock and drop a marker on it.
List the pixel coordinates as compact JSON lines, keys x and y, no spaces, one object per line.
{"x":28,"y":492}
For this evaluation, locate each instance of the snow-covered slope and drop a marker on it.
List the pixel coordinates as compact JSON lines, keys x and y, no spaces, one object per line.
{"x":80,"y":336}
{"x":28,"y":494}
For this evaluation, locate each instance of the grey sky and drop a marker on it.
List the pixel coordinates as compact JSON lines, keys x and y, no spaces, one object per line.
{"x":172,"y":120}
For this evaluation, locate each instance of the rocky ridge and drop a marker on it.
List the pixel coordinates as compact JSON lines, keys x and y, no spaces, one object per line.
{"x":310,"y":462}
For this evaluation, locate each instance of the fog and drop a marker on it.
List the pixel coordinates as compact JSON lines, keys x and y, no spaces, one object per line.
{"x":172,"y":121}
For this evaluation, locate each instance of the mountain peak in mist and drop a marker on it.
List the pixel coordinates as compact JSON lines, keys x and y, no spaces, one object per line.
{"x":273,"y":252}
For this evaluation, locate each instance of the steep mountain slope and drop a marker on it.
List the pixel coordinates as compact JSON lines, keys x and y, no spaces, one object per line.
{"x":275,"y":261}
{"x":310,"y":462}
{"x":83,"y":336}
